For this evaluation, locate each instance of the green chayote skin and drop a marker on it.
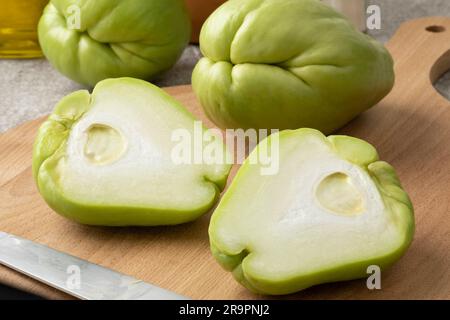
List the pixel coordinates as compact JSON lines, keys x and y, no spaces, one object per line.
{"x":286,"y":64}
{"x":134,"y":38}
{"x":271,"y":252}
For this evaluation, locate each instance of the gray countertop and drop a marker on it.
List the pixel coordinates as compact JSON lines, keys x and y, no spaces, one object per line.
{"x":31,"y":88}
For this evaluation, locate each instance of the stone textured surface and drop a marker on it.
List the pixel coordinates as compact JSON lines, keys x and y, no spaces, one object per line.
{"x":31,"y":88}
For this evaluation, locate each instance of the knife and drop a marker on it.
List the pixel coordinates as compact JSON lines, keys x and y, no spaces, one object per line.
{"x":75,"y":276}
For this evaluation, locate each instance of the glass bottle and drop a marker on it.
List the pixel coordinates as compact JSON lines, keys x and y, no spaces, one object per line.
{"x":18,"y":28}
{"x":355,"y":10}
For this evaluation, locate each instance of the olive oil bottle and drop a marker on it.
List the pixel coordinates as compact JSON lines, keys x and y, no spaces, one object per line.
{"x":18,"y":28}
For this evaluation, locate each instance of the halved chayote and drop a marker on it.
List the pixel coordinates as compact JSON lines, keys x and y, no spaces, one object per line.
{"x":332,"y":211}
{"x":106,"y":158}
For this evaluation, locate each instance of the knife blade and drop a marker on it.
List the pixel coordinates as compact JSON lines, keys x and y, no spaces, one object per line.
{"x":75,"y":276}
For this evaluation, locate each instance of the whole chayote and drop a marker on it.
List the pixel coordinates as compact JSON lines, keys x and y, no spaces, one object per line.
{"x":89,"y":41}
{"x":287,"y":64}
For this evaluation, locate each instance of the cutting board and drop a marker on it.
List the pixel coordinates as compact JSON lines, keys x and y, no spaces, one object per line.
{"x":410,"y":128}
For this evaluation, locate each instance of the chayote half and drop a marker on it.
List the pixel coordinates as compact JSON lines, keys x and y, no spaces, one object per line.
{"x":91,"y":40}
{"x":287,"y":64}
{"x":332,"y":211}
{"x":107,"y":158}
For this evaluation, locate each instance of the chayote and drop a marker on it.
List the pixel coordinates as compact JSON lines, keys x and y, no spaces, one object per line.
{"x":332,"y":210}
{"x":106,"y":158}
{"x":286,"y":64}
{"x":91,"y":40}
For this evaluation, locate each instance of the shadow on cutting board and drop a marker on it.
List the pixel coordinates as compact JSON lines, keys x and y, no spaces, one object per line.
{"x":7,"y":293}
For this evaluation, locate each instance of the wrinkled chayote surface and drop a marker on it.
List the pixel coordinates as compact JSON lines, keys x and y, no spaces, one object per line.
{"x":114,"y":38}
{"x":332,"y":211}
{"x":286,"y":64}
{"x":106,"y":158}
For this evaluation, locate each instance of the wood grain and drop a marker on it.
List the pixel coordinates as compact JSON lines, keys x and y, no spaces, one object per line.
{"x":410,"y":128}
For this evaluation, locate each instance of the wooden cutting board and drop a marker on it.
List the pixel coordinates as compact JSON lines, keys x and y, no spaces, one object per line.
{"x":410,"y":128}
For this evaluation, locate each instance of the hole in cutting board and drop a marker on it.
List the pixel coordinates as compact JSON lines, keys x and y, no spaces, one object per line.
{"x":440,"y":73}
{"x":443,"y":85}
{"x":435,"y":29}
